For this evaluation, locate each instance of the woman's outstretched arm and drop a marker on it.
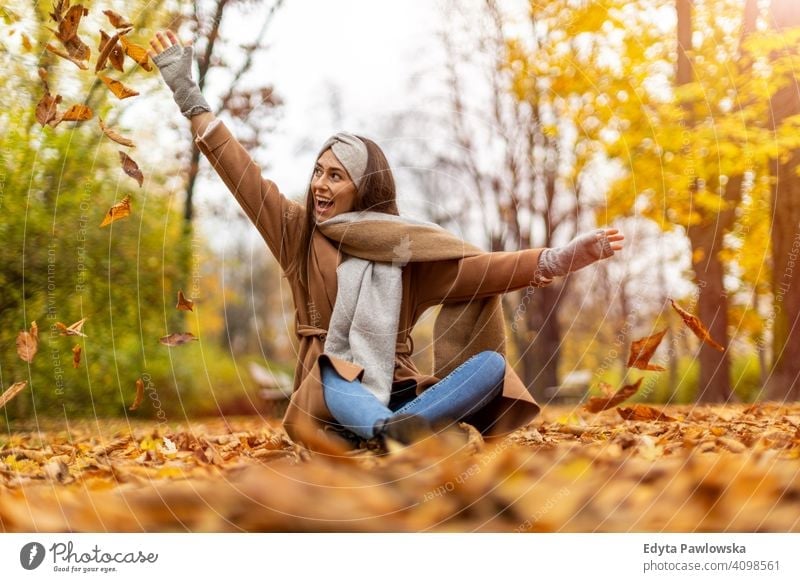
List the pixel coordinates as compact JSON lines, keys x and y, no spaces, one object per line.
{"x":277,"y":218}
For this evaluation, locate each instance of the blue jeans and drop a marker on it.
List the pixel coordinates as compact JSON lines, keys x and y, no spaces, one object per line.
{"x":463,"y":391}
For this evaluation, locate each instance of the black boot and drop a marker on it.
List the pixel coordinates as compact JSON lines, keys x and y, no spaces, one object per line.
{"x":404,"y":428}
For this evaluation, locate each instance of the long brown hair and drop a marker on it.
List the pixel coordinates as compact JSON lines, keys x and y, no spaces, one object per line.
{"x":376,"y":193}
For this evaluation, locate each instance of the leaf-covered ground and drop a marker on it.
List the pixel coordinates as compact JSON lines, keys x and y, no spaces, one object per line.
{"x":723,"y":468}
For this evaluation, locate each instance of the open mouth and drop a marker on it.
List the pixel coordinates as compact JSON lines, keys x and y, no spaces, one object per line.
{"x":322,"y":205}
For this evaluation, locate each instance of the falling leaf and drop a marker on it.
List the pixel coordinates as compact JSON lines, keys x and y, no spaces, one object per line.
{"x":28,"y":343}
{"x":696,"y":326}
{"x":78,"y":49}
{"x":176,"y":339}
{"x":9,"y":394}
{"x":64,"y":55}
{"x":130,"y":167}
{"x":74,"y":113}
{"x":76,"y":356}
{"x":119,"y":210}
{"x":117,"y":20}
{"x":183,"y":303}
{"x":137,"y":53}
{"x":74,"y":329}
{"x":139,"y":395}
{"x":113,"y":135}
{"x":596,"y":404}
{"x":110,"y":50}
{"x":47,"y":109}
{"x":43,"y":76}
{"x":26,"y":43}
{"x":58,"y":10}
{"x":117,"y":88}
{"x":68,"y":25}
{"x":643,"y":349}
{"x":643,"y":412}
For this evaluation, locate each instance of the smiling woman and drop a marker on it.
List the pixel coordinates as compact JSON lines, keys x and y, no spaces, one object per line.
{"x":361,"y":276}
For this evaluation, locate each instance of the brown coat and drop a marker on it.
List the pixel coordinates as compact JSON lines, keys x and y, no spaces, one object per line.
{"x":425,"y":284}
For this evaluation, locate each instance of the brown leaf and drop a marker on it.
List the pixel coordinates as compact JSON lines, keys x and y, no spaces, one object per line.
{"x":74,"y":329}
{"x":113,"y":135}
{"x":139,"y":395}
{"x":78,"y":49}
{"x":643,"y":412}
{"x":117,"y":20}
{"x":119,"y":210}
{"x":9,"y":394}
{"x":65,"y":55}
{"x":183,"y":303}
{"x":47,"y":109}
{"x":27,"y":45}
{"x":596,"y":404}
{"x":643,"y":349}
{"x":74,"y":113}
{"x":43,"y":76}
{"x":76,"y":356}
{"x":110,"y":49}
{"x":68,"y":25}
{"x":117,"y":88}
{"x":696,"y":326}
{"x":28,"y":343}
{"x":58,"y":10}
{"x":137,"y":53}
{"x":130,"y":167}
{"x":177,"y":339}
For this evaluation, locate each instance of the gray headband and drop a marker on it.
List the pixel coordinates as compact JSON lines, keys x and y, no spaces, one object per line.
{"x":351,"y":153}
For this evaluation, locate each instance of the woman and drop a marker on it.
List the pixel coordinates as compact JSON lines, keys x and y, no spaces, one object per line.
{"x":361,"y":276}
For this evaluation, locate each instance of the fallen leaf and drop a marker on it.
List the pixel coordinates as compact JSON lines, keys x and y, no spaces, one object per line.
{"x":117,"y":88}
{"x":113,"y":135}
{"x":176,"y":339}
{"x":130,"y":167}
{"x":183,"y":303}
{"x":28,"y":343}
{"x":137,"y":53}
{"x":643,"y":349}
{"x":643,"y":412}
{"x":139,"y":395}
{"x":74,"y":329}
{"x":597,"y":404}
{"x":64,"y":55}
{"x":74,"y":113}
{"x":696,"y":326}
{"x":68,"y":24}
{"x":117,"y":20}
{"x":76,"y":356}
{"x":119,"y":210}
{"x":110,"y":50}
{"x":47,"y":109}
{"x":9,"y":394}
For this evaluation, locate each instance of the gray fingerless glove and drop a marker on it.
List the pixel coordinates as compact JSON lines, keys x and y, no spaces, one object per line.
{"x":580,"y":252}
{"x":175,"y":65}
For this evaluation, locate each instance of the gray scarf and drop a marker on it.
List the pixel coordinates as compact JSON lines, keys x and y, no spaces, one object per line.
{"x":363,"y":327}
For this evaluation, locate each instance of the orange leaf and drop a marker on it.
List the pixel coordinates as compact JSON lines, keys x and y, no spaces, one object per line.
{"x":130,"y":167}
{"x":119,"y":210}
{"x":183,"y":303}
{"x":15,"y":389}
{"x":113,"y":135}
{"x":68,"y":25}
{"x":76,"y":356}
{"x":117,"y":88}
{"x":696,"y":326}
{"x":597,"y":404}
{"x":26,"y":43}
{"x":117,"y":20}
{"x":643,"y":349}
{"x":64,"y":55}
{"x":47,"y":109}
{"x":74,"y":329}
{"x":109,"y":49}
{"x":643,"y":412}
{"x":139,"y":395}
{"x":176,"y":339}
{"x":28,"y":343}
{"x":74,"y":113}
{"x":137,"y":53}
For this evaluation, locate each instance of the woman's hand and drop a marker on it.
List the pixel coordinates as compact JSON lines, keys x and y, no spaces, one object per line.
{"x":580,"y":252}
{"x":174,"y":61}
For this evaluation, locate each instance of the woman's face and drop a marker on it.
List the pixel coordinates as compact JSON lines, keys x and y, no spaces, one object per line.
{"x":333,"y":190}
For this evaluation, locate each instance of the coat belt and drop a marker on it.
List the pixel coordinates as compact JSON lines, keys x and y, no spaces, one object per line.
{"x":303,"y":330}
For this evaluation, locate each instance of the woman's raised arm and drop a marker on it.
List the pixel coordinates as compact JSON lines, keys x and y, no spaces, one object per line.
{"x":277,"y":218}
